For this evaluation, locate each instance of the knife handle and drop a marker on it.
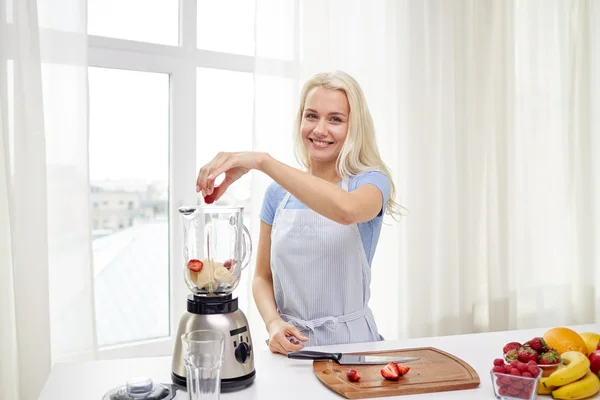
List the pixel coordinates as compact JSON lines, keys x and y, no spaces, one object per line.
{"x":314,"y":355}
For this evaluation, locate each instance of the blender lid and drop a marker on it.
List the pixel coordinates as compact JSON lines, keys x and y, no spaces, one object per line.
{"x":192,"y":208}
{"x":186,"y":210}
{"x":142,"y":388}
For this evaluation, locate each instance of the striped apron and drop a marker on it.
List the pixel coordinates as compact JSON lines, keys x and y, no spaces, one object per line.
{"x":321,"y":277}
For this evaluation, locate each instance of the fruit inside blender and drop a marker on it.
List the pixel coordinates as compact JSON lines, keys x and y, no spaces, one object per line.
{"x":207,"y":274}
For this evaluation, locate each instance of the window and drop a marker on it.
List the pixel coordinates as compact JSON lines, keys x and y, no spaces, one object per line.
{"x":154,"y":21}
{"x":161,"y":105}
{"x":129,"y":142}
{"x":226,"y":26}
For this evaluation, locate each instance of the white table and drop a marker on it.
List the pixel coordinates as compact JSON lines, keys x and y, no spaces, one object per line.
{"x":278,"y":377}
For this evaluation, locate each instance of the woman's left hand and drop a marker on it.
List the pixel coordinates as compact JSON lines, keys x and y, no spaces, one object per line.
{"x":233,"y":165}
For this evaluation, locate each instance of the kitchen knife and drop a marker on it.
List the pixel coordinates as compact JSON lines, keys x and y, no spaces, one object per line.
{"x":348,"y":359}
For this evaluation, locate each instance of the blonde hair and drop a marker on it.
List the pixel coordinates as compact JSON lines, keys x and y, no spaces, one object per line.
{"x":359,"y":152}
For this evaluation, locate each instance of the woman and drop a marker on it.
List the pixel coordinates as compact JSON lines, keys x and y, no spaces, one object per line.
{"x":319,"y":227}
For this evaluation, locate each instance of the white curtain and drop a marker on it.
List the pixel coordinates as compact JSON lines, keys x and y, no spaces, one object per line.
{"x":501,"y":169}
{"x":44,"y":243}
{"x":487,"y":113}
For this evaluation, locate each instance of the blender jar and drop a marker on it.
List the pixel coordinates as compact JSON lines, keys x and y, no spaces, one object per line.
{"x":216,"y":248}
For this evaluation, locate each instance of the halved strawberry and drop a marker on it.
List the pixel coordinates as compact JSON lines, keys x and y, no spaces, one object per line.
{"x":403,"y":370}
{"x":391,"y":372}
{"x":352,"y":375}
{"x":227,"y":264}
{"x":195,"y":265}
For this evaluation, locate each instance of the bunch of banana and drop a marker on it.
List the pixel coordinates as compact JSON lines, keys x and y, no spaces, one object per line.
{"x":572,"y":381}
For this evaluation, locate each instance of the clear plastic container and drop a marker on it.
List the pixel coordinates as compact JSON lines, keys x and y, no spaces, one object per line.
{"x":142,"y":388}
{"x":217,"y":247}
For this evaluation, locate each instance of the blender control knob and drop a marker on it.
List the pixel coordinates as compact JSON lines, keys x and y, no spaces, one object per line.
{"x":242,"y":352}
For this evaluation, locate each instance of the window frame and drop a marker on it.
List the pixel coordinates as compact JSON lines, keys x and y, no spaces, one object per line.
{"x":181,"y":63}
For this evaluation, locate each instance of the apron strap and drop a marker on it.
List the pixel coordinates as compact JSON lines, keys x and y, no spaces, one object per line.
{"x":330,"y":323}
{"x":345,"y":182}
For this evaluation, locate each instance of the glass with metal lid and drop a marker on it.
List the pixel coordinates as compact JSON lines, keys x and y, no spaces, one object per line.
{"x":142,"y":388}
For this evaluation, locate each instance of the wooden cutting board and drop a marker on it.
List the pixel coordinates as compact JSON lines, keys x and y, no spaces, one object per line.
{"x":436,"y":371}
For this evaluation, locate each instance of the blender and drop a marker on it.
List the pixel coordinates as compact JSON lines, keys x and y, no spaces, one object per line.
{"x":217,"y":247}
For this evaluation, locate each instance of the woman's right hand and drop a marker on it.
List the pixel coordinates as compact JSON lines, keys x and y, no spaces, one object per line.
{"x":285,"y":337}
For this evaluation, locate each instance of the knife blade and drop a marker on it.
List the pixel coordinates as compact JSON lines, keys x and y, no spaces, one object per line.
{"x":348,"y":359}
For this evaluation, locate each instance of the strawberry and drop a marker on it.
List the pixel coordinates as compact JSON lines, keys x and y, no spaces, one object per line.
{"x":511,"y":346}
{"x":512,"y":355}
{"x":526,"y":354}
{"x":403,"y":370}
{"x":353,"y":375}
{"x":195,"y":265}
{"x":391,"y":372}
{"x":549,"y":357}
{"x":227,"y":264}
{"x":538,"y":344}
{"x":209,"y":199}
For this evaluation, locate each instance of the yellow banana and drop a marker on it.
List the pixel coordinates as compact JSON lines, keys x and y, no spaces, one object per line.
{"x":576,"y":366}
{"x":541,"y":389}
{"x":585,"y":387}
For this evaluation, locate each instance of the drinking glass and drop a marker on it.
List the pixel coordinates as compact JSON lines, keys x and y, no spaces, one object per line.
{"x":203,"y":357}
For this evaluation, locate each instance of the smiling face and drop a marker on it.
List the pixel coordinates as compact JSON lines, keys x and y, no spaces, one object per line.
{"x":325,"y":124}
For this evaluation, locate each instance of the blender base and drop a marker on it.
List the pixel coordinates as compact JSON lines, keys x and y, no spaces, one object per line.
{"x":227,"y":385}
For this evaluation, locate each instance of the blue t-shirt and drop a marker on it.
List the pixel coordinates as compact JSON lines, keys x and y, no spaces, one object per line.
{"x":369,"y":231}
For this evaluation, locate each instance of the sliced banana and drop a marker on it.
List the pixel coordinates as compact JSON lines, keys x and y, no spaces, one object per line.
{"x":223,"y":275}
{"x":205,"y":278}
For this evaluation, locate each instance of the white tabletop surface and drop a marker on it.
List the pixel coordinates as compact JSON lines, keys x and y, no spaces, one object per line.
{"x":278,"y":377}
